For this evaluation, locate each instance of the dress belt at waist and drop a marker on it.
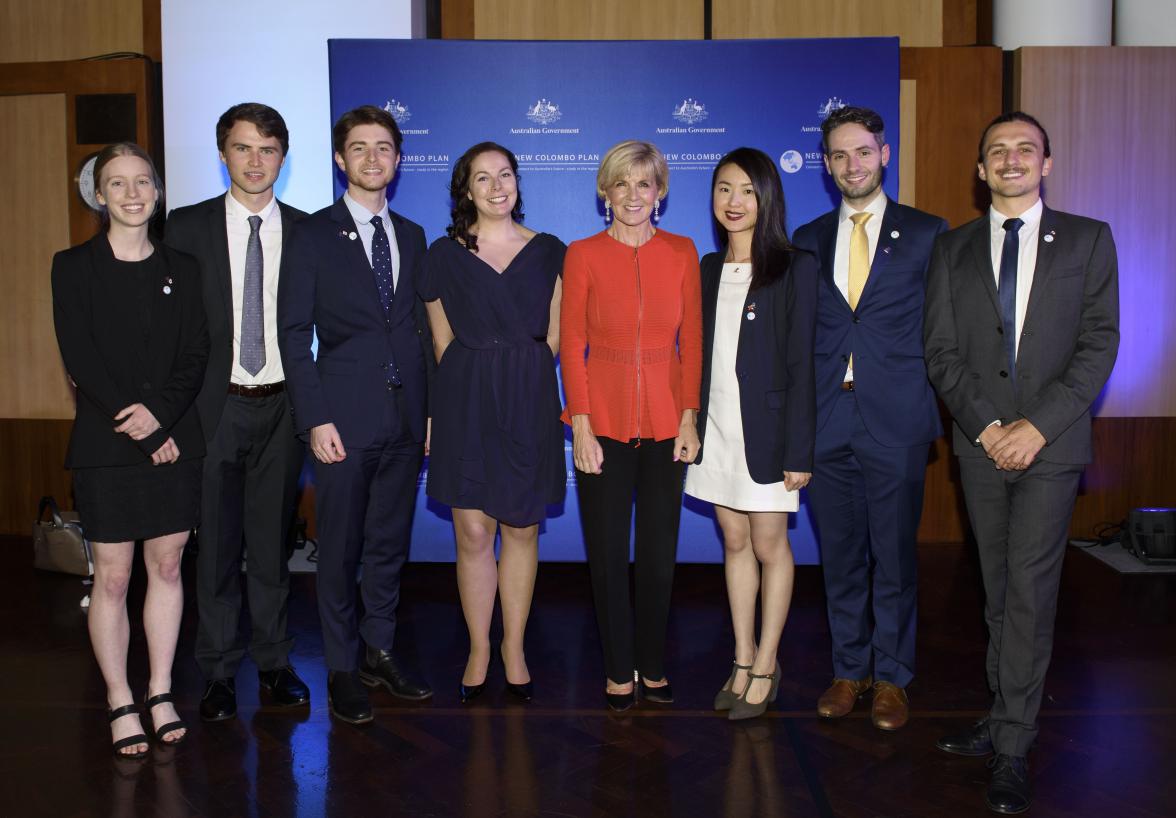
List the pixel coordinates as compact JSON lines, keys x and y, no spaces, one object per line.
{"x":262,"y":391}
{"x":656,"y":355}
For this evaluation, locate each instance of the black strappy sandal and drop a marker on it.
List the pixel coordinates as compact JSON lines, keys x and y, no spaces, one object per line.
{"x":130,"y":741}
{"x":160,"y":732}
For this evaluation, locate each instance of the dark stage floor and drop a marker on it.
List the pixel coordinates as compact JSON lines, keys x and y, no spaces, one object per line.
{"x":1107,"y":742}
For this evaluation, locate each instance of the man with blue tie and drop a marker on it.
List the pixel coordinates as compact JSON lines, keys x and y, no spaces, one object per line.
{"x":254,"y":459}
{"x":1021,"y":331}
{"x":350,"y":278}
{"x":876,"y":418}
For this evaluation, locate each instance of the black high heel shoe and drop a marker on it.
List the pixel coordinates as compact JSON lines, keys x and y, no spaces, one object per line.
{"x":620,"y":702}
{"x":470,"y":692}
{"x":523,"y":692}
{"x":162,"y":730}
{"x":130,"y":741}
{"x":662,"y":694}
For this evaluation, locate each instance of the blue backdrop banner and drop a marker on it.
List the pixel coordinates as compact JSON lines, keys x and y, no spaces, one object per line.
{"x":561,"y":105}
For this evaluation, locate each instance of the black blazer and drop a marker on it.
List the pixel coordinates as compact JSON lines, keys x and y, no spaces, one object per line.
{"x":328,"y":288}
{"x":774,"y":365}
{"x":199,"y":230}
{"x":113,"y":366}
{"x":1069,"y":338}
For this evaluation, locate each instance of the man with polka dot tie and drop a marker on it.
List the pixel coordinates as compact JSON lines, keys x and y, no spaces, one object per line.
{"x":362,"y":404}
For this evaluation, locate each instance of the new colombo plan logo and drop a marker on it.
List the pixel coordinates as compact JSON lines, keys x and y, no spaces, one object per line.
{"x":690,"y":111}
{"x":543,"y":112}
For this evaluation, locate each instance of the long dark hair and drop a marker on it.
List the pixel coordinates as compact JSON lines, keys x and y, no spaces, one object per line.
{"x":464,"y":214}
{"x":771,"y":251}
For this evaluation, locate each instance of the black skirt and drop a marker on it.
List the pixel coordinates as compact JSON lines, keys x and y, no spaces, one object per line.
{"x":122,"y":503}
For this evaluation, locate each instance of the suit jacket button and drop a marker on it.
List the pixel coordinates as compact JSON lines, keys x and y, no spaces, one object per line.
{"x":1004,"y":374}
{"x":1000,"y":330}
{"x":857,"y":320}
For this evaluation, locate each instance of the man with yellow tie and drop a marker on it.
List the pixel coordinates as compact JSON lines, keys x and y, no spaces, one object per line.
{"x":876,"y":417}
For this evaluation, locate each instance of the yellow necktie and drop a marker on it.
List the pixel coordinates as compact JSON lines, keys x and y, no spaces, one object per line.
{"x":859,"y":258}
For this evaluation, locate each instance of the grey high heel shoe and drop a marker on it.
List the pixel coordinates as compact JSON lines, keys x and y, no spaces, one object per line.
{"x":743,"y":709}
{"x":727,"y":696}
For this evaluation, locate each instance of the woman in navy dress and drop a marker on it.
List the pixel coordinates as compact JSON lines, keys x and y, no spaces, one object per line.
{"x":496,"y":456}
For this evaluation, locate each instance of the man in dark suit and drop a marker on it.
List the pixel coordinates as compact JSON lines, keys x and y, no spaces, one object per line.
{"x":253,"y":461}
{"x":876,"y":418}
{"x":1021,"y":330}
{"x":349,"y":277}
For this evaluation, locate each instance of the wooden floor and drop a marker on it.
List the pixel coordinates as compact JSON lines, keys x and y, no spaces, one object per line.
{"x":1107,"y":744}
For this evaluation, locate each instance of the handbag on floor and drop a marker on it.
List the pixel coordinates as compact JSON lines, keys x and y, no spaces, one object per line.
{"x":58,"y":543}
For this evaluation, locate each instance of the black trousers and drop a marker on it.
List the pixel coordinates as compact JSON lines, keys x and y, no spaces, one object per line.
{"x":649,"y":472}
{"x":250,"y":480}
{"x":1021,"y":521}
{"x":364,"y":509}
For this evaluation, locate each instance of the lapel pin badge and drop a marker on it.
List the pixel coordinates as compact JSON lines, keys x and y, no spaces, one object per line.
{"x":1049,"y":236}
{"x":751,"y":311}
{"x":894,"y":234}
{"x":352,"y":235}
{"x":167,"y":289}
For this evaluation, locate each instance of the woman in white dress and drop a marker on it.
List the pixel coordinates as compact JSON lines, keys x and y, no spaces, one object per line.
{"x":758,"y":412}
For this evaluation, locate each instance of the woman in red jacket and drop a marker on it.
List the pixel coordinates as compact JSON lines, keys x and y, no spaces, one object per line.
{"x":631,"y":329}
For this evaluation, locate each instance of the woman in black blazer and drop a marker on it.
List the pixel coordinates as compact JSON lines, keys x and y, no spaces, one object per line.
{"x":130,"y":325}
{"x":757,"y":420}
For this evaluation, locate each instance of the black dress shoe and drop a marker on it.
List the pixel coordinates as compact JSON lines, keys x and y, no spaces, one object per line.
{"x":975,"y":741}
{"x":347,"y":698}
{"x":379,"y":669}
{"x":219,"y":702}
{"x":523,"y":692}
{"x":470,"y":692}
{"x":658,"y":695}
{"x":1008,"y":791}
{"x":284,"y":687}
{"x":620,"y":702}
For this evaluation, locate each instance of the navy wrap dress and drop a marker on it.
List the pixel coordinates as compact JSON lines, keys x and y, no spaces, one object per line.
{"x":497,"y":439}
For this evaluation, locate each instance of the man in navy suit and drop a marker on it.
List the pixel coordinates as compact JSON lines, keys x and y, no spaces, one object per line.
{"x":1022,"y":330}
{"x":254,"y":459}
{"x":876,"y":418}
{"x":350,"y":277}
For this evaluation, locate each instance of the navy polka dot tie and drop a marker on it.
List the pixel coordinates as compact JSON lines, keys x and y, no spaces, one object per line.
{"x":382,"y":263}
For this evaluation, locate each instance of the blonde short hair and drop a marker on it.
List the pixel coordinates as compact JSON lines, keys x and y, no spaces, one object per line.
{"x":623,"y":158}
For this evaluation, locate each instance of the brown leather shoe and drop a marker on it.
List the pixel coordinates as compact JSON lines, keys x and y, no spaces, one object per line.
{"x":841,"y":696}
{"x":891,"y":708}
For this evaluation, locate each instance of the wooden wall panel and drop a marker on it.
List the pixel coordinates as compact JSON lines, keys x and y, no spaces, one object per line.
{"x":915,"y":22}
{"x":1110,"y":115}
{"x":959,"y":92}
{"x":35,"y":215}
{"x":908,"y":150}
{"x":595,"y":20}
{"x":43,"y":30}
{"x":33,"y":466}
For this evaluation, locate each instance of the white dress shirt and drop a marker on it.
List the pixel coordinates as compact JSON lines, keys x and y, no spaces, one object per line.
{"x":1027,"y":256}
{"x":363,"y":223}
{"x":841,"y":252}
{"x":237,"y":227}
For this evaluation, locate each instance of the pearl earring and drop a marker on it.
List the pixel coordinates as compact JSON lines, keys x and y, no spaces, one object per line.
{"x":656,"y":213}
{"x":607,"y":211}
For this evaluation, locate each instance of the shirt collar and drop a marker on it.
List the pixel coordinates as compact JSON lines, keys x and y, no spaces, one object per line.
{"x":362,"y":215}
{"x":1031,"y":217}
{"x":876,"y":207}
{"x":236,"y":210}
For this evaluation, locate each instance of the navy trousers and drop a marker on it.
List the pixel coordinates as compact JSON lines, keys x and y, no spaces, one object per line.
{"x":867,"y":499}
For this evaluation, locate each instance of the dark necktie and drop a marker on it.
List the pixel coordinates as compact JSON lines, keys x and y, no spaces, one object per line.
{"x":382,"y":267}
{"x":252,"y":355}
{"x":382,"y":263}
{"x":1007,"y":289}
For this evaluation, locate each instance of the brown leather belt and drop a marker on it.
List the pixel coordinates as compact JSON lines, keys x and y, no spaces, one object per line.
{"x":263,"y":391}
{"x":847,"y":386}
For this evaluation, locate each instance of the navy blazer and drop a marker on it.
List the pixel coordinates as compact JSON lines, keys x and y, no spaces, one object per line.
{"x":327,"y":288}
{"x":199,"y":230}
{"x":114,"y":366}
{"x":774,"y":366}
{"x":1069,"y":338}
{"x":884,"y":333}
